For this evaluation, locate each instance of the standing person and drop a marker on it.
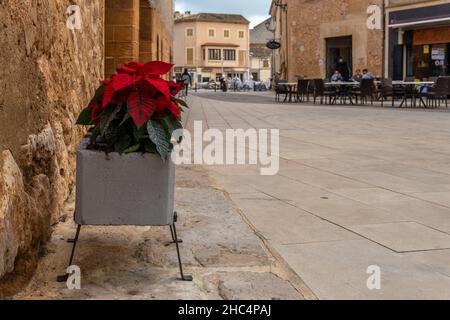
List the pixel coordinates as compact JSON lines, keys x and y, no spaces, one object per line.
{"x":343,"y":69}
{"x":223,"y":84}
{"x":187,"y":79}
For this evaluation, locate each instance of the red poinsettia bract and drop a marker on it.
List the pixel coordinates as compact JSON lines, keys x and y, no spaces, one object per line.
{"x":143,"y":89}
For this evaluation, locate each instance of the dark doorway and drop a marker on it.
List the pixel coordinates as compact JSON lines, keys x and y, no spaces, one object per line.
{"x":339,"y":47}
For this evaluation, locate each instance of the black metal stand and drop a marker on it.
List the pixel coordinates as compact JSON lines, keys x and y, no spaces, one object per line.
{"x":173,"y":232}
{"x":63,"y":278}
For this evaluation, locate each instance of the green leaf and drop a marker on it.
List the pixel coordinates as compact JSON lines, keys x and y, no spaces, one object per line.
{"x":107,"y":117}
{"x":99,"y":94}
{"x":181,"y":102}
{"x":133,"y":148}
{"x":122,"y":144}
{"x":94,"y":136}
{"x":140,"y":133}
{"x":149,"y":147}
{"x":125,"y":119}
{"x":174,"y":125}
{"x":159,"y":137}
{"x":84,"y":118}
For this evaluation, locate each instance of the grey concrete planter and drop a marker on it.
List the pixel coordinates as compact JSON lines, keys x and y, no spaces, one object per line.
{"x":133,"y":189}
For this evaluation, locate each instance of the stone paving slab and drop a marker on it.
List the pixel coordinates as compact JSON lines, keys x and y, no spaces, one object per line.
{"x":338,"y":270}
{"x":275,"y":220}
{"x":350,"y":168}
{"x":404,"y":236}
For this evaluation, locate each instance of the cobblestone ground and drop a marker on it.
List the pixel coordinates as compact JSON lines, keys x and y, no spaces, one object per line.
{"x":227,"y":259}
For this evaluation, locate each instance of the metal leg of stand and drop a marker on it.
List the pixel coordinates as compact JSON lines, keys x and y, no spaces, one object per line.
{"x":63,"y":278}
{"x":183,"y":276}
{"x":173,"y":236}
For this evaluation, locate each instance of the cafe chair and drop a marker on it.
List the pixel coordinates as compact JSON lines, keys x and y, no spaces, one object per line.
{"x":439,"y":93}
{"x":323,"y":93}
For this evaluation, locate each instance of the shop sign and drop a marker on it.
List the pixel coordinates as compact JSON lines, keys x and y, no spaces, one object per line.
{"x":273,"y":44}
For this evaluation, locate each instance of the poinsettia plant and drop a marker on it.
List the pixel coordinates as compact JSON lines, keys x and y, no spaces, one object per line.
{"x":136,"y":110}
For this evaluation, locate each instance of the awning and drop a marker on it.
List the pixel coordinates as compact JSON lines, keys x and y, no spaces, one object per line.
{"x":226,"y":45}
{"x":418,"y":23}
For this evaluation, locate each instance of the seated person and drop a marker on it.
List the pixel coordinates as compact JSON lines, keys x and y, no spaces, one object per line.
{"x":357,"y":77}
{"x":336,"y":77}
{"x":367,"y":75}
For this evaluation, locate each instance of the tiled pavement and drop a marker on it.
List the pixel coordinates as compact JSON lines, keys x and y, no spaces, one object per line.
{"x":357,"y":186}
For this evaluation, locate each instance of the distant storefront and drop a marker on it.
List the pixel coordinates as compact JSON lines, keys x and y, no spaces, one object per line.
{"x":419,"y":42}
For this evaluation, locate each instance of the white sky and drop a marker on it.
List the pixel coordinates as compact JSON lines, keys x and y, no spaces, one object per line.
{"x":254,"y":10}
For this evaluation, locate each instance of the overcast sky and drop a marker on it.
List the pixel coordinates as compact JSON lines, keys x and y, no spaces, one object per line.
{"x":254,"y":10}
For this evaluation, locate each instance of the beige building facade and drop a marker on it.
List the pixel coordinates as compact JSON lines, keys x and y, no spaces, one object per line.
{"x":314,"y":34}
{"x":212,"y":45}
{"x":396,"y":39}
{"x":260,"y":55}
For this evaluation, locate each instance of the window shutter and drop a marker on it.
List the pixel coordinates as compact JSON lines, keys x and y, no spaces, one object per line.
{"x":190,"y":56}
{"x":241,"y":58}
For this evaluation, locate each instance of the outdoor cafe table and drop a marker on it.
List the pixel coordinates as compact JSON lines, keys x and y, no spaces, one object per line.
{"x":409,"y":86}
{"x":405,"y":84}
{"x":344,"y":84}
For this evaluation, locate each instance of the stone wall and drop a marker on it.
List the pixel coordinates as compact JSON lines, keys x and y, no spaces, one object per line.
{"x":121,"y":33}
{"x":48,"y":75}
{"x":137,"y":30}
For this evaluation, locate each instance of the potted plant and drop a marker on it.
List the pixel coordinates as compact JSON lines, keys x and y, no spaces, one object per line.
{"x":124,"y":174}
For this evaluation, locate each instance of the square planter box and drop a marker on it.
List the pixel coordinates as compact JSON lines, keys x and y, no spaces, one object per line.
{"x":133,"y":189}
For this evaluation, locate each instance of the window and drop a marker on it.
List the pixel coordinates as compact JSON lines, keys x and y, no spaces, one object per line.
{"x":189,"y":32}
{"x":189,"y":56}
{"x":229,"y":55}
{"x":241,"y":34}
{"x":226,"y":33}
{"x":211,"y":33}
{"x":214,"y":54}
{"x":265,"y":63}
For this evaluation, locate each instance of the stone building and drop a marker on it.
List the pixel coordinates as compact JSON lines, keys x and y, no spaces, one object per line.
{"x":313,"y":34}
{"x":210,"y":45}
{"x":260,"y":55}
{"x":138,"y":30}
{"x":53,"y":59}
{"x":417,"y":39}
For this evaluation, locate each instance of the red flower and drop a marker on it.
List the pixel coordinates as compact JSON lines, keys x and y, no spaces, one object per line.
{"x":143,"y":89}
{"x":154,"y":68}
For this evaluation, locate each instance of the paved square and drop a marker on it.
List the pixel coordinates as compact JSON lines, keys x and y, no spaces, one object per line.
{"x":405,"y":236}
{"x":357,"y":186}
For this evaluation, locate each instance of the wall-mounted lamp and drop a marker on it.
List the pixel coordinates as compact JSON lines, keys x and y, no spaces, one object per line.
{"x":279,"y":3}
